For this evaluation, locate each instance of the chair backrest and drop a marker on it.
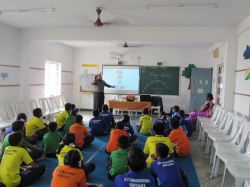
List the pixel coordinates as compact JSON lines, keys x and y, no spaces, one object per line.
{"x":4,"y":115}
{"x":53,"y":103}
{"x":214,"y":107}
{"x":223,"y":124}
{"x":215,"y":113}
{"x":31,"y":104}
{"x":44,"y":105}
{"x":220,"y":116}
{"x":61,"y":101}
{"x":237,"y":123}
{"x":20,"y":107}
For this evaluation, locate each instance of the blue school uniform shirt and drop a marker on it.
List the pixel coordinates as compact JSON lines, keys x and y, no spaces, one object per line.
{"x":187,"y":125}
{"x":165,"y":122}
{"x":134,"y":179}
{"x":98,"y":126}
{"x":9,"y":130}
{"x":174,"y":114}
{"x":167,"y":173}
{"x":128,"y":128}
{"x":108,"y":118}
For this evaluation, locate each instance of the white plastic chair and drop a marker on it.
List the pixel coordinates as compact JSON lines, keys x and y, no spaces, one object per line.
{"x":225,"y":135}
{"x":46,"y":109}
{"x":53,"y":105}
{"x":234,"y":156}
{"x":5,"y":123}
{"x":247,"y":183}
{"x":158,"y":108}
{"x":21,"y":107}
{"x":61,"y":102}
{"x":240,"y":171}
{"x":31,"y":104}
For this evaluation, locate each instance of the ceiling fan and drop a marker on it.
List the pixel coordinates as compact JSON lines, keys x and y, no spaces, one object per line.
{"x":116,"y":21}
{"x":125,"y":45}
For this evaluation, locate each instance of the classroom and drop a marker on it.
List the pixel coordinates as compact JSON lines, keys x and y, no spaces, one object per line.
{"x":51,"y":48}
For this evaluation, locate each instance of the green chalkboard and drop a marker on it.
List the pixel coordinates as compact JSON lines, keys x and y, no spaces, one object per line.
{"x":159,"y":80}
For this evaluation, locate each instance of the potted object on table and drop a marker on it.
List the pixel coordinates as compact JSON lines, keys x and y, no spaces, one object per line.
{"x":130,"y":97}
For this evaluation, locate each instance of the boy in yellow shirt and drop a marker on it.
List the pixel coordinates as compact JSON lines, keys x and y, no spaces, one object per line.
{"x":14,"y":155}
{"x":61,"y":118}
{"x":145,"y":123}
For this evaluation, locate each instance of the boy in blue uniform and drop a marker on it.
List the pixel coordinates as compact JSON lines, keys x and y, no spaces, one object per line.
{"x":136,"y":162}
{"x":129,"y":129}
{"x":174,"y":110}
{"x":162,"y":119}
{"x":165,"y":170}
{"x":185,"y":123}
{"x":108,"y":117}
{"x":98,"y":125}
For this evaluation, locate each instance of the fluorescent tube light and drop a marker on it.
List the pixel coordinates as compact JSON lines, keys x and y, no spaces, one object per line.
{"x":27,"y":11}
{"x":209,"y":5}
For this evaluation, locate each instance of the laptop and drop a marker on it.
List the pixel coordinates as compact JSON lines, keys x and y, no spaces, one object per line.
{"x":145,"y":98}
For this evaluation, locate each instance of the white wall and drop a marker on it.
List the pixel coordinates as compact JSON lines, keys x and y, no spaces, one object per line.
{"x":149,"y":56}
{"x":55,"y":52}
{"x":9,"y":55}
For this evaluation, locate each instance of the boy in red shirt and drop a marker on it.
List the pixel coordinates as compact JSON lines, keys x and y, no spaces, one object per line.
{"x":79,"y":131}
{"x":114,"y":135}
{"x":179,"y":139}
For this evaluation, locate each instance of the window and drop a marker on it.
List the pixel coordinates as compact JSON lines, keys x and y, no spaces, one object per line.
{"x":52,"y":79}
{"x":219,"y":84}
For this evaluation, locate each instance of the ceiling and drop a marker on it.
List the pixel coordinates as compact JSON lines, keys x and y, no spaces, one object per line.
{"x":127,"y":13}
{"x":153,"y":44}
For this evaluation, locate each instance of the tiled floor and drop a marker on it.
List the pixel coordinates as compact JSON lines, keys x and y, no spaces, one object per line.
{"x":200,"y":160}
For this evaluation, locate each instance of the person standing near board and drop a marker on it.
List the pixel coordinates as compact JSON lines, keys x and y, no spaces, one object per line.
{"x":99,"y":92}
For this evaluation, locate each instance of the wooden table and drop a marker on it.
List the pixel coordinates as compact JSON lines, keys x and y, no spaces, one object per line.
{"x":129,"y":105}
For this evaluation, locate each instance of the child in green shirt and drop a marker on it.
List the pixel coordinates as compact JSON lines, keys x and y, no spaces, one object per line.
{"x":70,"y":120}
{"x":51,"y":140}
{"x":117,"y":162}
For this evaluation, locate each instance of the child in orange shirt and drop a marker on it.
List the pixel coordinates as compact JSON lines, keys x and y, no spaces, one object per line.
{"x":179,"y":139}
{"x":114,"y":135}
{"x":80,"y":131}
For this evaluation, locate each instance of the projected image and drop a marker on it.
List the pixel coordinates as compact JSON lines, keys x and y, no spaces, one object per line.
{"x":124,"y":78}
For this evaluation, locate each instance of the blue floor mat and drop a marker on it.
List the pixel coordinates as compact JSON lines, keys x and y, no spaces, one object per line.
{"x":99,"y":176}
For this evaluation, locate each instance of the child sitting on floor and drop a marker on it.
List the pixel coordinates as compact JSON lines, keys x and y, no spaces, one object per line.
{"x":61,"y":118}
{"x":98,"y":125}
{"x":32,"y":138}
{"x":80,"y":131}
{"x":174,"y":110}
{"x":109,"y":118}
{"x":135,"y":177}
{"x":162,"y":119}
{"x":114,"y":135}
{"x":166,"y":171}
{"x":14,"y":155}
{"x":129,"y":129}
{"x":186,"y":123}
{"x":66,"y":146}
{"x":117,"y":162}
{"x":179,"y":139}
{"x":145,"y":123}
{"x":70,"y":120}
{"x":36,"y":125}
{"x":72,"y":108}
{"x":51,"y":140}
{"x":152,"y":141}
{"x":35,"y":153}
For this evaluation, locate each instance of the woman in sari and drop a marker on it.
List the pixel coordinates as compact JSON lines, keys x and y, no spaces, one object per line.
{"x":205,"y":111}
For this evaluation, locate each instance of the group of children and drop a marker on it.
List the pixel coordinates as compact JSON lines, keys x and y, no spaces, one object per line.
{"x":125,"y":163}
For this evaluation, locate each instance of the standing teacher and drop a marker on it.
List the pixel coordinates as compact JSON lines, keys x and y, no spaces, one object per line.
{"x":99,"y":92}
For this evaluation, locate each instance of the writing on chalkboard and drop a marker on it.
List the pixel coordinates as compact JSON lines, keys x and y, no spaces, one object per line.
{"x":169,"y":76}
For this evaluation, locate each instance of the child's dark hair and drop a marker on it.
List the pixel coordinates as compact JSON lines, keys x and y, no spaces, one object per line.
{"x":136,"y":159}
{"x":21,"y":117}
{"x":105,"y":107}
{"x":159,"y":128}
{"x":95,"y":113}
{"x":67,"y":139}
{"x":210,"y":96}
{"x":120,"y":125}
{"x":37,"y":112}
{"x":72,"y":158}
{"x":74,"y":113}
{"x":15,"y":138}
{"x":174,"y":123}
{"x":177,"y":118}
{"x":177,"y":108}
{"x":145,"y":110}
{"x":52,"y":126}
{"x":163,"y":115}
{"x":68,"y":106}
{"x":17,"y":126}
{"x":123,"y":141}
{"x":181,"y":113}
{"x":78,"y":119}
{"x":73,"y":106}
{"x":2,"y":184}
{"x":125,"y":118}
{"x":162,"y":150}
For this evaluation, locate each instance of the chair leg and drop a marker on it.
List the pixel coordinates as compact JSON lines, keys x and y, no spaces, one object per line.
{"x":225,"y":179}
{"x":197,"y":125}
{"x":215,"y":167}
{"x":207,"y":145}
{"x":239,"y":182}
{"x":200,"y":132}
{"x":212,"y":155}
{"x":203,"y":137}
